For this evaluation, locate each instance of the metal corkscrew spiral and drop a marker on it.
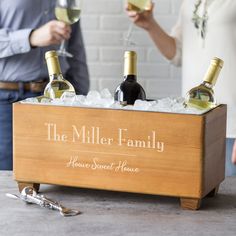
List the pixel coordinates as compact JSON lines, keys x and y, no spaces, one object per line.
{"x":29,"y":195}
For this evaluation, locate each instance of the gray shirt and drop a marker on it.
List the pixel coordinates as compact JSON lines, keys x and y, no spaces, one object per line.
{"x":19,"y":62}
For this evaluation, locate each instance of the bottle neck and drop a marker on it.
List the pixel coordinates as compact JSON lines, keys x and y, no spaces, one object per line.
{"x":56,"y":77}
{"x":130,"y":65}
{"x":207,"y":85}
{"x":54,"y":68}
{"x":131,"y":78}
{"x":212,"y":75}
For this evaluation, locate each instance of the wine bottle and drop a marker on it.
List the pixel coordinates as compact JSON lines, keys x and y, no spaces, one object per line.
{"x":202,"y":97}
{"x":129,"y":90}
{"x":57,"y":85}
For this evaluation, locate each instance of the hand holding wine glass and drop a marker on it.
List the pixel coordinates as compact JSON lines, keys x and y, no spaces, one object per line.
{"x":67,"y":11}
{"x":143,"y":18}
{"x":49,"y":34}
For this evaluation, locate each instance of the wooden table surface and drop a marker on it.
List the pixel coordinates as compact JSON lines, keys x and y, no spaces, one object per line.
{"x":115,"y":213}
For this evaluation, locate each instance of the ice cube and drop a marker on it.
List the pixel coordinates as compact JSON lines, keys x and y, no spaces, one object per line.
{"x":128,"y":107}
{"x":93,"y":98}
{"x":30,"y":100}
{"x":116,"y":105}
{"x":105,"y":102}
{"x":45,"y":101}
{"x":105,"y":93}
{"x":67,"y":96}
{"x":179,"y":100}
{"x":79,"y":100}
{"x":166,"y":102}
{"x":57,"y":102}
{"x":93,"y":95}
{"x":176,"y":106}
{"x":142,"y":105}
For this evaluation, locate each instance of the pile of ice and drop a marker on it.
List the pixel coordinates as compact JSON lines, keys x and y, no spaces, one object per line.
{"x":104,"y":99}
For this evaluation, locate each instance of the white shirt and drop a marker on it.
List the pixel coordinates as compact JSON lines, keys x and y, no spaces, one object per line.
{"x":195,"y":54}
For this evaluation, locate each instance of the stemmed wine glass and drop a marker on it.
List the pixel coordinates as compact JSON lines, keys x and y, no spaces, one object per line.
{"x":69,"y":12}
{"x":137,"y":6}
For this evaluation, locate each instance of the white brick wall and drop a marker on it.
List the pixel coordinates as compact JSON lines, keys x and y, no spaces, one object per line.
{"x":104,"y":24}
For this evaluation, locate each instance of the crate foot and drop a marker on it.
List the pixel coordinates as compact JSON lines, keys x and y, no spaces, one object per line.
{"x":22,"y":185}
{"x":190,"y":203}
{"x":213,"y":192}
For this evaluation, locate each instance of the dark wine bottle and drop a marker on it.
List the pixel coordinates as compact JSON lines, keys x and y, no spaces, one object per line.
{"x":129,"y":90}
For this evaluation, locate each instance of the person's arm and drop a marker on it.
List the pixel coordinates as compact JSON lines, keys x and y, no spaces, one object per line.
{"x":78,"y":74}
{"x":21,"y":41}
{"x":14,"y":42}
{"x":164,"y":42}
{"x":234,"y":153}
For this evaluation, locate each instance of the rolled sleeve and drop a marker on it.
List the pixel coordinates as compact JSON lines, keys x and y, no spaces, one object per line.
{"x":19,"y":41}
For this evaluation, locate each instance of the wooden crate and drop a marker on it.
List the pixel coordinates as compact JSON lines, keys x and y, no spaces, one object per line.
{"x":133,"y":151}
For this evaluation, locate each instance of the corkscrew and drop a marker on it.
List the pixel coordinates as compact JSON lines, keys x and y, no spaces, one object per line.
{"x":29,"y":196}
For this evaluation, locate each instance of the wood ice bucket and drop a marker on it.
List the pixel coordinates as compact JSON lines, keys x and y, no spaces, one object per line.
{"x":132,"y":151}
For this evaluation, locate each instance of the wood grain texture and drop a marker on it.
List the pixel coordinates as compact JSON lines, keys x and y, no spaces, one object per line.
{"x":179,"y":170}
{"x":190,"y":203}
{"x":214,"y":149}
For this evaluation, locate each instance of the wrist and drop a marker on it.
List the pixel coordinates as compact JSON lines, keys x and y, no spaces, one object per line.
{"x":32,"y":39}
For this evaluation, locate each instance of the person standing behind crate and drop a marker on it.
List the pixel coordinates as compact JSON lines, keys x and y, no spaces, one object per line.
{"x":205,"y":29}
{"x":27,"y":30}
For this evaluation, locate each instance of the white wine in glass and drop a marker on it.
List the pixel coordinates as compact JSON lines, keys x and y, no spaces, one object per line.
{"x":137,"y":6}
{"x":69,"y":12}
{"x":69,"y":16}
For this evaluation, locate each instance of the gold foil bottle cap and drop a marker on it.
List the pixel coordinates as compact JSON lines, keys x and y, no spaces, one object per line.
{"x":130,"y":64}
{"x":53,"y":63}
{"x":214,"y":70}
{"x":49,"y":54}
{"x":217,"y":62}
{"x":130,"y":54}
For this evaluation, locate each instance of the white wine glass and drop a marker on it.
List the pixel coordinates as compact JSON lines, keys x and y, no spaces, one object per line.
{"x":69,"y":12}
{"x":137,"y":6}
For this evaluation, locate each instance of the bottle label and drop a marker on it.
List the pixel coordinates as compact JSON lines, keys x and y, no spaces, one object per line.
{"x":200,"y":104}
